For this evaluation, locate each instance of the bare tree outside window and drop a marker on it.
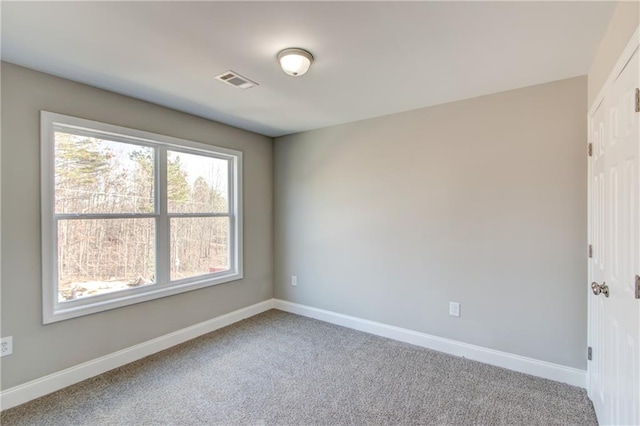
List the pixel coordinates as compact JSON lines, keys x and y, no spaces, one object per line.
{"x":101,"y":255}
{"x":197,"y":185}
{"x":130,"y":216}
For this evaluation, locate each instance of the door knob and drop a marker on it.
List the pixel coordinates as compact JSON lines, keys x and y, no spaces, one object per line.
{"x":597,"y":288}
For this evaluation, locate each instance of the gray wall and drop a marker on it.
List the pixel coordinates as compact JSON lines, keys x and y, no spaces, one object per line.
{"x":40,"y":350}
{"x":481,"y":201}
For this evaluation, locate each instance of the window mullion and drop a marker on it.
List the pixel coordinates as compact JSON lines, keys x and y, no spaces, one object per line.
{"x":88,"y":216}
{"x":181,"y":215}
{"x":232,"y":244}
{"x":162,"y":237}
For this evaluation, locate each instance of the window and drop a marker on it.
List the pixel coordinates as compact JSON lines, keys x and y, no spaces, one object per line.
{"x":129,"y":216}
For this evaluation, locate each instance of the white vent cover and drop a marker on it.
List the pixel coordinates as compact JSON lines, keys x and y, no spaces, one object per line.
{"x":234,"y":79}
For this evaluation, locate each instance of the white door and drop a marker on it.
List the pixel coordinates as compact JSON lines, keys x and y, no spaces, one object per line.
{"x":614,"y":221}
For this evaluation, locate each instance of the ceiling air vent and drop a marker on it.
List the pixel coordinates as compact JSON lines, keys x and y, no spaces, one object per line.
{"x":234,"y":79}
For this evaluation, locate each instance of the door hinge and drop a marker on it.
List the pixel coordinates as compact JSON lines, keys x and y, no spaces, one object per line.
{"x":590,"y":251}
{"x":589,"y":353}
{"x":637,"y":100}
{"x":590,"y":149}
{"x":637,"y":286}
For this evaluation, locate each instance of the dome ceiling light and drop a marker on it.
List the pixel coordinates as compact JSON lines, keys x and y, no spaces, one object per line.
{"x":295,"y":62}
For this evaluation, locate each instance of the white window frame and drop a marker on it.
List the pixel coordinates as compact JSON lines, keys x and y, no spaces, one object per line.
{"x":53,"y":310}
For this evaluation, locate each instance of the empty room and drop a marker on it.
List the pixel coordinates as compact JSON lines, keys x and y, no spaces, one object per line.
{"x":320,"y":213}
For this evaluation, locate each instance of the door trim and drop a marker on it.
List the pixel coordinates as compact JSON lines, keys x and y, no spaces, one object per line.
{"x":632,"y":45}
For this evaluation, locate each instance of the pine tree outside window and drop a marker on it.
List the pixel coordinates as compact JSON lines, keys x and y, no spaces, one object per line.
{"x":130,"y":216}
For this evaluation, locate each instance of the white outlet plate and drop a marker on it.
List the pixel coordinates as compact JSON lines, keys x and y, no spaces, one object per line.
{"x":454,"y":309}
{"x":294,"y":280}
{"x":6,"y":346}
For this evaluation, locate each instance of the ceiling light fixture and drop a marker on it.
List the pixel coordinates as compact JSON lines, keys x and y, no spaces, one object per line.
{"x":295,"y":62}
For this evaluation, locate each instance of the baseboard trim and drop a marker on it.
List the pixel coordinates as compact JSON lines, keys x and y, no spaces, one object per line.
{"x":61,"y":379}
{"x":39,"y":387}
{"x":547,"y":370}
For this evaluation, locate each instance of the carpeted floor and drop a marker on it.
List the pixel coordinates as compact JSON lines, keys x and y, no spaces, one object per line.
{"x":282,"y":369}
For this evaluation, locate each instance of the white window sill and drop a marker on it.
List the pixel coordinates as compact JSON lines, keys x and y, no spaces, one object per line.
{"x":60,"y":311}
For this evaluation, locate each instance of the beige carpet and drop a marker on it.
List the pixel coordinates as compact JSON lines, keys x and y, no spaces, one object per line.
{"x":282,"y":369}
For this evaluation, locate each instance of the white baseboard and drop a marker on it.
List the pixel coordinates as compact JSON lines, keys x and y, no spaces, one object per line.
{"x":547,"y":370}
{"x":61,"y":379}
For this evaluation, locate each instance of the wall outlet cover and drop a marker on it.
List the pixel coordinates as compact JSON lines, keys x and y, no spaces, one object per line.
{"x":454,"y":309}
{"x":6,"y":346}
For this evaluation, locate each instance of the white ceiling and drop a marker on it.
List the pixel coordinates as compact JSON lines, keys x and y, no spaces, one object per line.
{"x":372,"y":58}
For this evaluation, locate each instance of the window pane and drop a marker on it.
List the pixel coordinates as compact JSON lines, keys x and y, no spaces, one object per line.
{"x":97,"y":256}
{"x":196,"y":183}
{"x":94,"y":175}
{"x":199,"y":245}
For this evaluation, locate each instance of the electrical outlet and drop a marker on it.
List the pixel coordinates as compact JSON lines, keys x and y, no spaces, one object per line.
{"x":6,"y":346}
{"x":454,"y":309}
{"x":294,"y":280}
